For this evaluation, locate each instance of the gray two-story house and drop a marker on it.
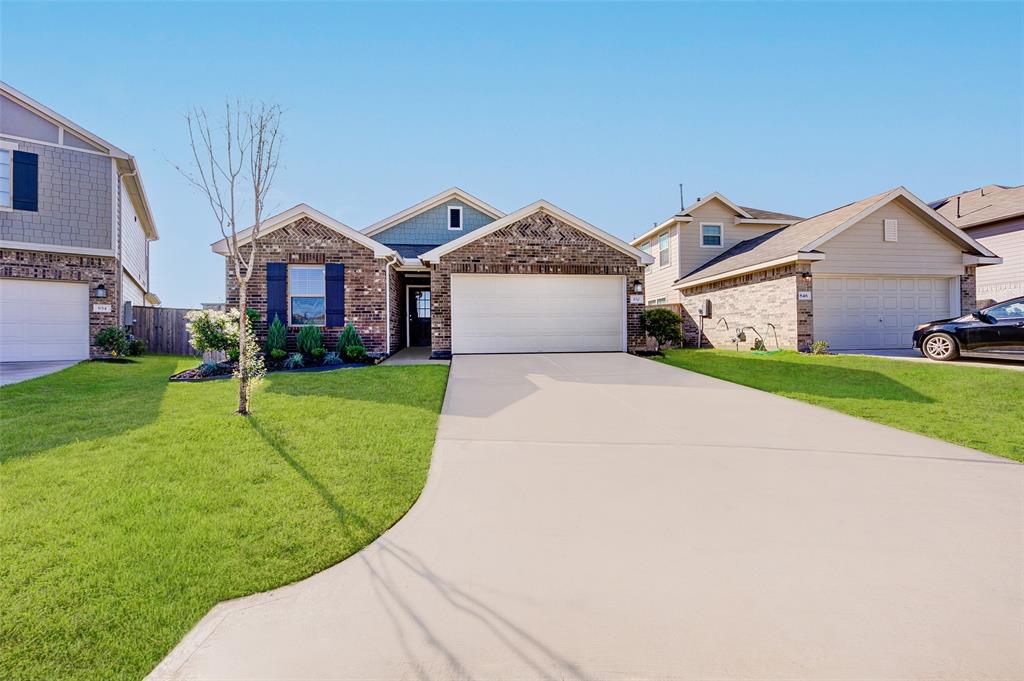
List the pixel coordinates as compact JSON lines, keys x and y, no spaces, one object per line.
{"x":75,"y":230}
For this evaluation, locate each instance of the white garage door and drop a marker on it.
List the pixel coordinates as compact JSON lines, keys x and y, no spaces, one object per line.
{"x":537,"y":313}
{"x":43,"y":320}
{"x":860,"y":313}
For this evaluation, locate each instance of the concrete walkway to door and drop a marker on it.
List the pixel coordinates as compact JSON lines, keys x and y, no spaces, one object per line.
{"x":607,"y":517}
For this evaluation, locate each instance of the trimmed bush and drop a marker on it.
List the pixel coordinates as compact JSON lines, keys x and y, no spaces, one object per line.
{"x":213,"y":330}
{"x":349,"y":337}
{"x":137,"y":346}
{"x":277,"y":354}
{"x":318,"y":353}
{"x":309,"y":339}
{"x":277,"y":336}
{"x":356,"y":353}
{"x":113,"y":339}
{"x":663,"y":325}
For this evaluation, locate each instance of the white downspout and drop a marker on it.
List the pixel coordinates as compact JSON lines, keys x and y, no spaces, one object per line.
{"x":387,"y":304}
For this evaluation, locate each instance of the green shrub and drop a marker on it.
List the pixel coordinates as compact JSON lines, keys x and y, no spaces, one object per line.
{"x":113,"y":339}
{"x":137,"y":346}
{"x":233,"y":353}
{"x":277,"y":354}
{"x":212,"y":330}
{"x":277,"y":336}
{"x":294,"y":361}
{"x":349,"y":338}
{"x":332,"y":359}
{"x":356,"y":354}
{"x":663,"y":325}
{"x":819,"y":347}
{"x":209,"y":369}
{"x":318,"y":353}
{"x":309,"y":339}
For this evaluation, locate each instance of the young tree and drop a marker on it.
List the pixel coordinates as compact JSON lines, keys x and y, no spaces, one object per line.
{"x":235,"y":161}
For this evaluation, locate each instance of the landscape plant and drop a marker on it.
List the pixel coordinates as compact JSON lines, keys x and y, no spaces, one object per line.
{"x":212,"y":330}
{"x":113,"y":340}
{"x":309,"y":339}
{"x":277,"y":336}
{"x":356,"y":354}
{"x":350,"y":345}
{"x":234,"y":164}
{"x":137,"y":346}
{"x":332,"y":359}
{"x":819,"y":347}
{"x":277,"y":354}
{"x":294,"y":361}
{"x":663,"y":325}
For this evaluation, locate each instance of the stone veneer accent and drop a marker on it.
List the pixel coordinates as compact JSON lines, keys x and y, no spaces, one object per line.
{"x":94,"y":270}
{"x":969,"y":289}
{"x":537,"y":244}
{"x":307,"y":242}
{"x":753,"y":300}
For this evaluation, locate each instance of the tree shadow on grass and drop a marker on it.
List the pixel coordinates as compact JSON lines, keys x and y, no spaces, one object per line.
{"x":778,"y":375}
{"x":413,"y":386}
{"x":85,"y":402}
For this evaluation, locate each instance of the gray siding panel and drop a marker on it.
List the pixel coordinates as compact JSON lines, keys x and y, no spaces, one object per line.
{"x":75,"y":201}
{"x":431,"y":226}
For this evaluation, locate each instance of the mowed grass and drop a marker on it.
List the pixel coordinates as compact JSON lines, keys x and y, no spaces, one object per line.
{"x":131,"y":505}
{"x":970,"y":406}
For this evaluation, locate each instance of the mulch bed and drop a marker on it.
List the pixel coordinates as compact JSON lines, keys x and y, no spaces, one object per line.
{"x":225,"y":369}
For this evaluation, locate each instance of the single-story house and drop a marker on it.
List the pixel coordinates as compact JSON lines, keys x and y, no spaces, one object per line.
{"x":994,"y":217}
{"x":860,"y":276}
{"x":452,"y":273}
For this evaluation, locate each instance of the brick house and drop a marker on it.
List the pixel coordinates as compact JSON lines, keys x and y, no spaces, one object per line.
{"x":861,"y":276}
{"x":451,"y":273}
{"x":75,"y":229}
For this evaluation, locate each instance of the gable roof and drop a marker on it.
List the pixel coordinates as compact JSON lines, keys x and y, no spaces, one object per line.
{"x":127,"y":167}
{"x":745,"y":213}
{"x":541,"y":206}
{"x":304,"y":210}
{"x":432,"y":202}
{"x":801,"y":240}
{"x":980,"y":206}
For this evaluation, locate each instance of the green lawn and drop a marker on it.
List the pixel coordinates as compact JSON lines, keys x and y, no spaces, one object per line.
{"x":970,"y":406}
{"x":131,"y":505}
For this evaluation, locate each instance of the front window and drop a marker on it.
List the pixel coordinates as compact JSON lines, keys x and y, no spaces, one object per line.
{"x":1011,"y":310}
{"x":306,"y":295}
{"x":664,"y":254}
{"x":455,"y":218}
{"x":5,"y":178}
{"x":710,"y":236}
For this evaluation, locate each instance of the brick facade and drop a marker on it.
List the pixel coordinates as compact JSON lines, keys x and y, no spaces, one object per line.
{"x":93,"y":270}
{"x":762,"y":300}
{"x":536,"y":244}
{"x":304,"y":242}
{"x":969,"y":289}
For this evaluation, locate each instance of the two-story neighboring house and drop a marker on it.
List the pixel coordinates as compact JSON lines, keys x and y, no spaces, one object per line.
{"x":860,"y":276}
{"x":994,"y":215}
{"x":75,"y":230}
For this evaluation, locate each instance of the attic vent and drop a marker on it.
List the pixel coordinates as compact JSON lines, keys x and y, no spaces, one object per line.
{"x":890,"y":230}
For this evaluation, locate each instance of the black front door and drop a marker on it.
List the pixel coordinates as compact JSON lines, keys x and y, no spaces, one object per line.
{"x":419,"y":316}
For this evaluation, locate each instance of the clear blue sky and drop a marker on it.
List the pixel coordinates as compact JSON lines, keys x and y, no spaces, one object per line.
{"x":600,"y":108}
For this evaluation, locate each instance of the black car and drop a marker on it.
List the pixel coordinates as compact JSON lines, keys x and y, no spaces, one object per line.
{"x":997,"y":330}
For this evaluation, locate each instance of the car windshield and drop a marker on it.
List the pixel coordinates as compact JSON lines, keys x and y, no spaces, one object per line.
{"x":1011,"y":310}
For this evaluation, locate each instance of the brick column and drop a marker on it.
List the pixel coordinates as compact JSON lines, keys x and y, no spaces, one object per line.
{"x":804,"y":308}
{"x":968,"y":290}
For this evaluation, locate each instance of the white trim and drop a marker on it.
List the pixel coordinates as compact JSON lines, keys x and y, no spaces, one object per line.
{"x":10,"y":172}
{"x":649,"y":234}
{"x":54,"y":248}
{"x":715,"y":195}
{"x":432,"y":202}
{"x":449,"y":224}
{"x":764,"y":221}
{"x":4,"y":144}
{"x":721,"y":234}
{"x":56,"y":145}
{"x":668,"y":247}
{"x":288,"y":291}
{"x":752,"y":268}
{"x":886,"y":199}
{"x":981,"y":260}
{"x":954,"y":297}
{"x":407,"y":287}
{"x":435,"y":255}
{"x":304,"y":210}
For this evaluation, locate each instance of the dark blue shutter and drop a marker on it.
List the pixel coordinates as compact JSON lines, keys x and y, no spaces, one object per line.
{"x":26,"y":181}
{"x":277,"y":292}
{"x":335,"y":275}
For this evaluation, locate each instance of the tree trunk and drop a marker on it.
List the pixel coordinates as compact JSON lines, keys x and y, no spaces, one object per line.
{"x":243,"y":364}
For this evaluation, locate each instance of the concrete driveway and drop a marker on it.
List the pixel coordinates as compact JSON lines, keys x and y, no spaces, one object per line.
{"x":16,"y":372}
{"x":607,"y":517}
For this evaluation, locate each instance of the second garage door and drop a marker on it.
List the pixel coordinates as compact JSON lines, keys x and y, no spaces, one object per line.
{"x":43,"y":320}
{"x":861,"y":313}
{"x":537,"y":313}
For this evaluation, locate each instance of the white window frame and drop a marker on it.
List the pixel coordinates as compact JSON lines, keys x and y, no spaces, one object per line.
{"x":9,"y":148}
{"x":661,"y":301}
{"x":449,"y":214}
{"x":291,"y":268}
{"x":667,"y":251}
{"x":721,"y":234}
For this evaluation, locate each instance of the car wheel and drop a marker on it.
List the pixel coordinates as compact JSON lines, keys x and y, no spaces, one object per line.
{"x":940,"y":347}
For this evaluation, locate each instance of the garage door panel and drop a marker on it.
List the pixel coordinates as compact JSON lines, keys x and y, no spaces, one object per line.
{"x":43,"y":320}
{"x":877,"y":312}
{"x":537,"y":313}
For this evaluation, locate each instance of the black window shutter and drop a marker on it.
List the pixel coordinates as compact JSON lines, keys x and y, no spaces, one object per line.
{"x":277,"y":292}
{"x":26,"y":181}
{"x":335,"y":279}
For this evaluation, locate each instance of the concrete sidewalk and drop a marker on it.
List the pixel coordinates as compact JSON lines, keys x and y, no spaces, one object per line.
{"x":607,"y":517}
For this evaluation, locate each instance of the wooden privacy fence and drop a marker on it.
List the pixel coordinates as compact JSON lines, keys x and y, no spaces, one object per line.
{"x":163,"y":329}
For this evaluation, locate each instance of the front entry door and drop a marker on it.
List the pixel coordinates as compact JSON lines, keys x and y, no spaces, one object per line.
{"x":419,"y":316}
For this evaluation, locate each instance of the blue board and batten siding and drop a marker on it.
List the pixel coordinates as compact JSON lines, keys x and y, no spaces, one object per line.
{"x":431,"y":227}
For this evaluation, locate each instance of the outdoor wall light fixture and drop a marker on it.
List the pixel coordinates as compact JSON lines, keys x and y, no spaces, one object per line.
{"x":806,"y":276}
{"x":101,"y":291}
{"x":638,"y":286}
